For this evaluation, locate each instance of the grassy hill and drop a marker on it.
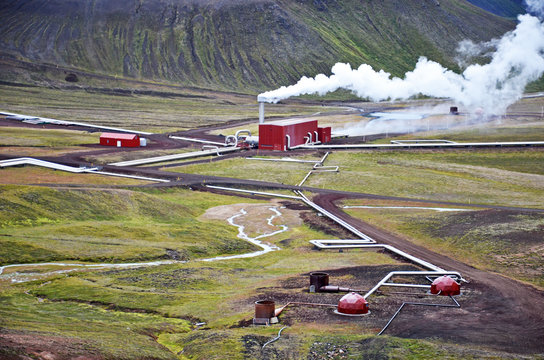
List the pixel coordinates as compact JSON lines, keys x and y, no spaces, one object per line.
{"x":250,"y":45}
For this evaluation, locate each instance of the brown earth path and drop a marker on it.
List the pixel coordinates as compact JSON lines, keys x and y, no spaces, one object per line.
{"x":508,"y":315}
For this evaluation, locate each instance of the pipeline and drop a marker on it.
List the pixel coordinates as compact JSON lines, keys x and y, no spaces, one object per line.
{"x":197,"y":140}
{"x":281,"y":160}
{"x":72,"y":123}
{"x":426,"y":145}
{"x":214,"y":147}
{"x":371,"y":243}
{"x":278,"y":311}
{"x":180,"y":156}
{"x":457,"y":305}
{"x":61,"y":167}
{"x":228,"y":141}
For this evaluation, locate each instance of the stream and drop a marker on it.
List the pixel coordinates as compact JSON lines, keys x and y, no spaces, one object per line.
{"x":28,"y":275}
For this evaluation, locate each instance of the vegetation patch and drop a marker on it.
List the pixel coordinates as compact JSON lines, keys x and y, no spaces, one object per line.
{"x":108,"y":225}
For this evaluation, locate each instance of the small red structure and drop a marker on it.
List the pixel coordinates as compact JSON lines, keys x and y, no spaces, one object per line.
{"x":120,"y":140}
{"x":352,"y":304}
{"x":284,"y":134}
{"x":446,"y":286}
{"x":324,"y":134}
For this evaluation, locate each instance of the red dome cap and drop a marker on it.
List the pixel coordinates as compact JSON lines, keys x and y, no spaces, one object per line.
{"x":352,"y":304}
{"x":446,"y":286}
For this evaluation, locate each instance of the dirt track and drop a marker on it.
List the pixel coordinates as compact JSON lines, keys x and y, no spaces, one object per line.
{"x":508,"y":315}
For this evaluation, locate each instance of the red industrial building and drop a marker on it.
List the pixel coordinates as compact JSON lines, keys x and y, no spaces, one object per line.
{"x":284,"y":134}
{"x":120,"y":140}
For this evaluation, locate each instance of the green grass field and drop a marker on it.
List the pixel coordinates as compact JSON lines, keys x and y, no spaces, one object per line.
{"x":164,"y":110}
{"x":509,"y":178}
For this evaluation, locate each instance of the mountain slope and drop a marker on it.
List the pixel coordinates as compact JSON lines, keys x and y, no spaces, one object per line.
{"x":236,"y":44}
{"x":506,"y":8}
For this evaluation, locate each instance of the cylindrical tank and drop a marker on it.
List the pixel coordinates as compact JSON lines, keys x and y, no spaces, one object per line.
{"x":265,"y":309}
{"x":352,"y":304}
{"x":318,"y":279}
{"x":446,"y":286}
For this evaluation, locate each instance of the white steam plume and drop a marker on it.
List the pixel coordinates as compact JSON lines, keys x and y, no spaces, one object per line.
{"x":535,"y":7}
{"x":518,"y":60}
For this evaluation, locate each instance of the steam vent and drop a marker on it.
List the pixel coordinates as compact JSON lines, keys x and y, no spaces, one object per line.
{"x":352,"y":304}
{"x":446,"y":286}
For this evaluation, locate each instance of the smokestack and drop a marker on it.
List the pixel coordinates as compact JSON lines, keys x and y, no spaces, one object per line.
{"x":261,"y":100}
{"x":261,"y":112}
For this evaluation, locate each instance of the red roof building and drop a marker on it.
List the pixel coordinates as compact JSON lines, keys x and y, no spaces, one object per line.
{"x":120,"y":140}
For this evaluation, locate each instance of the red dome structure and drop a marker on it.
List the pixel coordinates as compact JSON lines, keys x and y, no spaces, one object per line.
{"x":446,"y":286}
{"x":352,"y":304}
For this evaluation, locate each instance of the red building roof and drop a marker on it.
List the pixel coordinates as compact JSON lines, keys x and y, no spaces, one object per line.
{"x":119,"y":136}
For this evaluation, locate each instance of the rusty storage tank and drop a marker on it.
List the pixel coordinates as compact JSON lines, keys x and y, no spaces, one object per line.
{"x":318,"y":280}
{"x":446,"y":286}
{"x":265,"y":312}
{"x":352,"y":304}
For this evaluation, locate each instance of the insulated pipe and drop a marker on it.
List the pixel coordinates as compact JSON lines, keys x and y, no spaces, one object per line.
{"x":426,"y":145}
{"x":282,"y":160}
{"x":55,"y":166}
{"x":204,"y":147}
{"x":324,"y":157}
{"x":230,"y":137}
{"x":412,"y":273}
{"x":422,"y":141}
{"x":316,"y":136}
{"x":310,"y":137}
{"x":67,"y":123}
{"x":354,"y":244}
{"x":457,"y":305}
{"x":335,"y":289}
{"x":279,"y":310}
{"x":332,"y":169}
{"x":237,"y":134}
{"x":333,"y":217}
{"x":196,"y":140}
{"x":288,"y":138}
{"x":407,"y":285}
{"x":254,"y":192}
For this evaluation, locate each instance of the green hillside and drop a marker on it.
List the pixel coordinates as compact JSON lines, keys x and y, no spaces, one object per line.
{"x":250,"y":45}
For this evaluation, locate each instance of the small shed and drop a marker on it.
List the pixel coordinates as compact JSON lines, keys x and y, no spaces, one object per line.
{"x":120,"y":140}
{"x":324,"y":134}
